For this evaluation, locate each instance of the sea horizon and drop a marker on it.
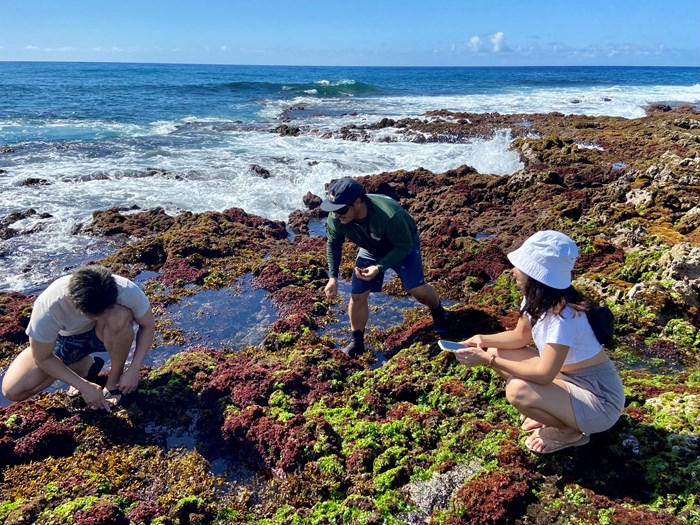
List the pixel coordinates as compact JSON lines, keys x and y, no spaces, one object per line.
{"x":524,"y":66}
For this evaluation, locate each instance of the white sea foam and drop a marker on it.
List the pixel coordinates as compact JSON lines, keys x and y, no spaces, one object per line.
{"x":163,"y":127}
{"x":202,"y":163}
{"x":198,"y":179}
{"x":29,"y":130}
{"x":624,"y":101}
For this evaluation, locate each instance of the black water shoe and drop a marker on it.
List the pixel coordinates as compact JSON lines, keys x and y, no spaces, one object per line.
{"x":440,"y":322}
{"x":357,"y":345}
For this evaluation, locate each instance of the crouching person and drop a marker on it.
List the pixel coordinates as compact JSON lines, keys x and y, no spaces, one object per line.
{"x":90,"y":311}
{"x":566,"y":388}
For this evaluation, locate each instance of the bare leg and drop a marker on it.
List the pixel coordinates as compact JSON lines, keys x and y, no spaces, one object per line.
{"x":24,"y":378}
{"x":547,"y":404}
{"x":115,"y":328}
{"x":521,"y":355}
{"x":550,"y":406}
{"x":425,"y":294}
{"x":358,"y":310}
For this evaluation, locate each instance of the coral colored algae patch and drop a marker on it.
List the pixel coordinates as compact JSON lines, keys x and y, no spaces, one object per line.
{"x":292,"y":430}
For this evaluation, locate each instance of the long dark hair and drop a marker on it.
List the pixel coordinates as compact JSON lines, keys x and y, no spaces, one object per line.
{"x":540,"y":299}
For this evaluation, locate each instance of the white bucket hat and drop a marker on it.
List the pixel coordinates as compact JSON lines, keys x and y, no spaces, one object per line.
{"x":548,"y":257}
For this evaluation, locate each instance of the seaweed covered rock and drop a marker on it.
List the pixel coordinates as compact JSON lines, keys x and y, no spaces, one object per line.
{"x":306,"y":434}
{"x":15,"y":310}
{"x":29,"y":431}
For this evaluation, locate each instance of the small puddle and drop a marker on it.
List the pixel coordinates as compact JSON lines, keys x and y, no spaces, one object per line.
{"x":385,"y":311}
{"x":231,"y":317}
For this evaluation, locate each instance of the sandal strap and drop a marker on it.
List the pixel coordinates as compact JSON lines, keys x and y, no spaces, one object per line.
{"x":115,"y":392}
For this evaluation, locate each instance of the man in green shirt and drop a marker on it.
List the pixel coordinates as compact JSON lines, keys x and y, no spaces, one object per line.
{"x":388,"y":238}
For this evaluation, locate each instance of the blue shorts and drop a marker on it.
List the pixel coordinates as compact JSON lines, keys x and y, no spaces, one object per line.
{"x":72,"y":348}
{"x":409,"y":269}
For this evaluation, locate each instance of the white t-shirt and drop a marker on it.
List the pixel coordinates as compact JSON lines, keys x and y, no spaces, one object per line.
{"x":570,"y":328}
{"x":53,"y":313}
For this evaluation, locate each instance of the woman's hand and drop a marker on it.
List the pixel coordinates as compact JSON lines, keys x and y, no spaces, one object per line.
{"x":475,"y":341}
{"x":472,"y":356}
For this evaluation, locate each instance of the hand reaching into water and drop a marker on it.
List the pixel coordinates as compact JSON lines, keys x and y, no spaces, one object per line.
{"x":331,"y":289}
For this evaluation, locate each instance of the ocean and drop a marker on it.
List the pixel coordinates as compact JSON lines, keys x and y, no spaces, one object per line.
{"x":78,"y":137}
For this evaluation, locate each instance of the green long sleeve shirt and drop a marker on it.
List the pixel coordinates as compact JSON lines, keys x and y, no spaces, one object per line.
{"x":388,"y":232}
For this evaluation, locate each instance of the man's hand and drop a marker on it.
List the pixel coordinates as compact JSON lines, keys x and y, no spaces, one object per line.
{"x":331,"y":289}
{"x":94,"y":397}
{"x":367,"y":274}
{"x":129,"y":381}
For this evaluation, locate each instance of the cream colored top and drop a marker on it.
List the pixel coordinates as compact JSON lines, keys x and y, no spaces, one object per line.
{"x":53,"y":313}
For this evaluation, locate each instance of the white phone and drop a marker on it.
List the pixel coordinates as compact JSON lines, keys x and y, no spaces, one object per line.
{"x":450,"y":346}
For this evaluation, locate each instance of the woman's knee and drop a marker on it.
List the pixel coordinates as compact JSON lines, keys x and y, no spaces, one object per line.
{"x":7,"y":390}
{"x":518,"y":391}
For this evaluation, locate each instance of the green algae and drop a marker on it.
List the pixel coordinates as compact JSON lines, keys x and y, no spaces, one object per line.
{"x":12,"y":421}
{"x":114,"y":476}
{"x":61,"y":513}
{"x":371,"y":433}
{"x":641,"y":264}
{"x":7,"y":507}
{"x":676,"y":413}
{"x":683,"y":332}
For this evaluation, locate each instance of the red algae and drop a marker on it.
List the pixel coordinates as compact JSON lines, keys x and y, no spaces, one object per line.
{"x":331,"y":439}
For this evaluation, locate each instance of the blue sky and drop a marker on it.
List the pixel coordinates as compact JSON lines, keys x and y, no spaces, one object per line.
{"x":355,"y":32}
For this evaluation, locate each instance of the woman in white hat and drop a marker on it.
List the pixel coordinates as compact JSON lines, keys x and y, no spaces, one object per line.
{"x":566,"y":388}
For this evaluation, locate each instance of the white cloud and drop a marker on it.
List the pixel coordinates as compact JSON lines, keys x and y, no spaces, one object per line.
{"x":224,"y":48}
{"x":498,"y":41}
{"x":115,"y":49}
{"x":48,"y":49}
{"x":475,"y":44}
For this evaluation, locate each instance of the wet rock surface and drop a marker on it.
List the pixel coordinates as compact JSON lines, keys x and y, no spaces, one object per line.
{"x":294,"y":431}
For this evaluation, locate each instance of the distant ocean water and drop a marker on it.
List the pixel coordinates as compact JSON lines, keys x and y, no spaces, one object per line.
{"x":184,"y":137}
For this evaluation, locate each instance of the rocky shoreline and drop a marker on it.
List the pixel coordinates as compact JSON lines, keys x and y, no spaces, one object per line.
{"x":294,"y":431}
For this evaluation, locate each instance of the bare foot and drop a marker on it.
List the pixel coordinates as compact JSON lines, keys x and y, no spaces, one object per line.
{"x":549,"y":439}
{"x":529,"y":424}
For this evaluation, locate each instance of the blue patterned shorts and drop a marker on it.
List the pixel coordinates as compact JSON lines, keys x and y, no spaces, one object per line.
{"x":72,"y":348}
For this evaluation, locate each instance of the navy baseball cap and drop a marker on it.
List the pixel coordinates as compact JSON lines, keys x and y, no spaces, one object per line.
{"x":341,"y":193}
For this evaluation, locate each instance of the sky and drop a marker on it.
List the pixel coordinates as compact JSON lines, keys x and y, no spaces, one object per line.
{"x":354,"y":32}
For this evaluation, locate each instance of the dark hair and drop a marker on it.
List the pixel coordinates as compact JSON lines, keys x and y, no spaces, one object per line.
{"x":540,"y":299}
{"x":92,"y":290}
